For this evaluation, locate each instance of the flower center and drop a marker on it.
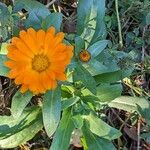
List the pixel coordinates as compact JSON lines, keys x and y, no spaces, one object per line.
{"x":40,"y":63}
{"x":84,"y":56}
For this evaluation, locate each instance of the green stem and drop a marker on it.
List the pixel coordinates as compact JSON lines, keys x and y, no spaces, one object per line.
{"x":119,"y":24}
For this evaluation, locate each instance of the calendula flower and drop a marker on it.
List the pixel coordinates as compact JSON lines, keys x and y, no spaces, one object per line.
{"x":84,"y":56}
{"x":38,"y":59}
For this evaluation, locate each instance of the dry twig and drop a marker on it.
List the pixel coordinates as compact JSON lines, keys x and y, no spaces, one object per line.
{"x":50,"y":3}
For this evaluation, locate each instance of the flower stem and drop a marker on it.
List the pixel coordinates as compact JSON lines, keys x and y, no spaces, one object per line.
{"x":119,"y":24}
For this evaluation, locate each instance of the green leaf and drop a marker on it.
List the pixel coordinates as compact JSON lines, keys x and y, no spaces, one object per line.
{"x":111,"y":77}
{"x":51,"y":110}
{"x":19,"y":102}
{"x":129,"y":103}
{"x":13,"y":121}
{"x":108,"y":92}
{"x":83,"y":13}
{"x":65,"y":92}
{"x":10,"y":125}
{"x":102,"y":129}
{"x":4,"y":32}
{"x":144,"y":112}
{"x":94,"y":142}
{"x":81,"y":74}
{"x":4,"y":14}
{"x":100,"y":31}
{"x":89,"y":28}
{"x":32,"y":6}
{"x":62,"y":136}
{"x":79,"y":45}
{"x":33,"y":21}
{"x":14,"y":132}
{"x":146,"y":137}
{"x":6,"y":21}
{"x":3,"y":49}
{"x":37,"y":12}
{"x":109,"y":60}
{"x":91,"y":100}
{"x":54,"y":19}
{"x":95,"y":67}
{"x":84,"y":143}
{"x":90,"y":21}
{"x":3,"y":70}
{"x":96,"y":48}
{"x":69,"y":102}
{"x":78,"y":121}
{"x":148,"y":19}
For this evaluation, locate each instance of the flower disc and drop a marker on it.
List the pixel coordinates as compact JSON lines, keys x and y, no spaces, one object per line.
{"x":84,"y":56}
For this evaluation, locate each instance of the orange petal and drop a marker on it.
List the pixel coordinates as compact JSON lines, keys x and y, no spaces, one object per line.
{"x":22,"y":47}
{"x":41,"y":87}
{"x":58,"y":66}
{"x":24,"y":38}
{"x":33,"y":86}
{"x":19,"y":79}
{"x":51,"y":30}
{"x":30,"y":40}
{"x":61,"y":76}
{"x":41,"y":38}
{"x":13,"y":73}
{"x":58,"y":38}
{"x":15,"y":54}
{"x":50,"y":74}
{"x":57,"y":50}
{"x":10,"y":64}
{"x":48,"y":44}
{"x":44,"y":80}
{"x":31,"y":32}
{"x":53,"y":84}
{"x":23,"y":88}
{"x":14,"y":40}
{"x":69,"y":50}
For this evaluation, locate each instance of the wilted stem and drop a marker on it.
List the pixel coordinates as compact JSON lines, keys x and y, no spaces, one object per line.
{"x":143,"y":47}
{"x":138,"y":134}
{"x":119,"y":24}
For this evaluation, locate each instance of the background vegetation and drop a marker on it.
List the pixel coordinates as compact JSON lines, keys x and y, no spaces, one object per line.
{"x":134,"y":35}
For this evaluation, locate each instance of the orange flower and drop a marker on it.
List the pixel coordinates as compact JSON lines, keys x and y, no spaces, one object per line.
{"x":38,"y":59}
{"x":84,"y":56}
